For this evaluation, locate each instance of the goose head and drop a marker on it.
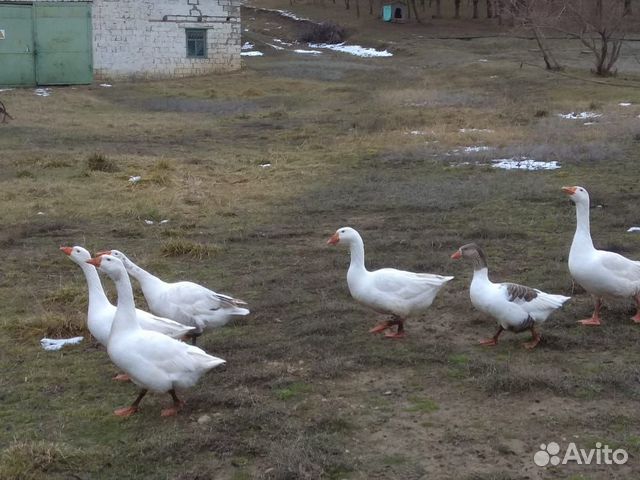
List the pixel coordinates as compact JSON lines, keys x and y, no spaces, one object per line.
{"x":108,"y":264}
{"x":345,"y":236}
{"x":77,"y":254}
{"x":578,"y":195}
{"x":471,"y":252}
{"x":117,"y":254}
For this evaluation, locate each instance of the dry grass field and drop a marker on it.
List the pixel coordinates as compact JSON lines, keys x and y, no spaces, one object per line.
{"x":375,"y":144}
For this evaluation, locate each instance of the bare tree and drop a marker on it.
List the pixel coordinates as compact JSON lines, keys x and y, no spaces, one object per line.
{"x":601,"y":28}
{"x":475,"y":8}
{"x":457,"y":8}
{"x":537,"y":16}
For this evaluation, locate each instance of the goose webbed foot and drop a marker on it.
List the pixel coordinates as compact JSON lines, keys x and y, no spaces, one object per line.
{"x":173,"y":410}
{"x":128,"y":411}
{"x":490,"y":342}
{"x":400,"y":331}
{"x":535,"y":340}
{"x":382,"y":326}
{"x":121,"y":377}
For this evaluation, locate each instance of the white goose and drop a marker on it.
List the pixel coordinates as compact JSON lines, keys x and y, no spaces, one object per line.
{"x":154,"y":361}
{"x":101,"y":312}
{"x":603,"y":274}
{"x":516,"y":308}
{"x":185,"y":302}
{"x":387,"y":291}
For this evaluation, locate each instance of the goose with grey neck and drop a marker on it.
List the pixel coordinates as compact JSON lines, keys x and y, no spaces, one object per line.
{"x":154,"y":361}
{"x":185,"y":302}
{"x":387,"y":291}
{"x":516,"y":308}
{"x":101,"y":311}
{"x":605,"y":275}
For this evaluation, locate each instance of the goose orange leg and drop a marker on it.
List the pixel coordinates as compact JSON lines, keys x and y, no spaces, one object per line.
{"x":382,"y":326}
{"x":490,"y":342}
{"x":636,"y":317}
{"x":595,"y":318}
{"x":173,"y":410}
{"x":121,"y":377}
{"x":535,"y":340}
{"x":128,"y":411}
{"x":399,"y":333}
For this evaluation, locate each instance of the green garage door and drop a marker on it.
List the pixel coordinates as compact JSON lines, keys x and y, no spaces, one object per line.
{"x":45,"y":43}
{"x":63,"y":43}
{"x":16,"y":45}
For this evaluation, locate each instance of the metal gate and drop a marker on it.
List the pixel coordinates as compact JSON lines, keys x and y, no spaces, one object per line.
{"x":45,"y":43}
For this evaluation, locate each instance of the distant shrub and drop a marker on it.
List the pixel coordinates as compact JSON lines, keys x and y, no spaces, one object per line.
{"x":99,"y":162}
{"x":325,"y":32}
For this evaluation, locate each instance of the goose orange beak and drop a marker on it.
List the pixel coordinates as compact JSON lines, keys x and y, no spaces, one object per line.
{"x":335,"y":238}
{"x":95,"y":261}
{"x":569,"y":190}
{"x":103,"y":252}
{"x":67,"y":250}
{"x":456,"y":255}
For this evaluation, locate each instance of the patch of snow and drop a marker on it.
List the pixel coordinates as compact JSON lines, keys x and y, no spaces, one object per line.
{"x":106,"y":85}
{"x":474,"y":149}
{"x":149,"y":222}
{"x":589,"y":123}
{"x":523,"y":163}
{"x":417,"y":132}
{"x":625,"y":104}
{"x":276,"y":47}
{"x":308,"y":52}
{"x":356,"y":50}
{"x":277,"y":40}
{"x":162,"y":222}
{"x":53,"y":344}
{"x":247,"y":46}
{"x":5,"y":89}
{"x":476,"y":130}
{"x":40,"y":213}
{"x":286,"y":13}
{"x":579,"y":116}
{"x":253,"y":53}
{"x":634,"y":229}
{"x":265,"y":165}
{"x":42,"y":92}
{"x":483,"y":60}
{"x":135,"y":179}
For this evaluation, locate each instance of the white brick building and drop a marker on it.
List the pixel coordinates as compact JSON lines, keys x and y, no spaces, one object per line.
{"x":50,"y":42}
{"x":165,"y":38}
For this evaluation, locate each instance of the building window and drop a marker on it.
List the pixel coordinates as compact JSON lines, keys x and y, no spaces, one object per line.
{"x":196,"y":43}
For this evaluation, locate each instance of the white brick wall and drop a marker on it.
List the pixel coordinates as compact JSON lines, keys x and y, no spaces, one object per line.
{"x":147,"y":39}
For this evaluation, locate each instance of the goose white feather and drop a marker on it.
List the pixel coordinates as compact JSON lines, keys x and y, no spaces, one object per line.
{"x":101,"y":311}
{"x":152,"y":360}
{"x":515,"y":307}
{"x":185,"y":302}
{"x":601,"y":273}
{"x":387,"y":291}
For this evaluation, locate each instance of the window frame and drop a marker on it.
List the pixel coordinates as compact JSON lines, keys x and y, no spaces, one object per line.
{"x":195,"y":41}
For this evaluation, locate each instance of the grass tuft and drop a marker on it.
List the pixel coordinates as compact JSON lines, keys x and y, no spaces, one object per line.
{"x":176,"y":247}
{"x":97,"y":162}
{"x":35,"y":460}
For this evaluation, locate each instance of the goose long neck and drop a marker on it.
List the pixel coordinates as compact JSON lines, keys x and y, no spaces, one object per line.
{"x":147,"y":280}
{"x":97,"y":297}
{"x":479,"y":261}
{"x":582,"y":237}
{"x":357,"y":255}
{"x":125,"y":317}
